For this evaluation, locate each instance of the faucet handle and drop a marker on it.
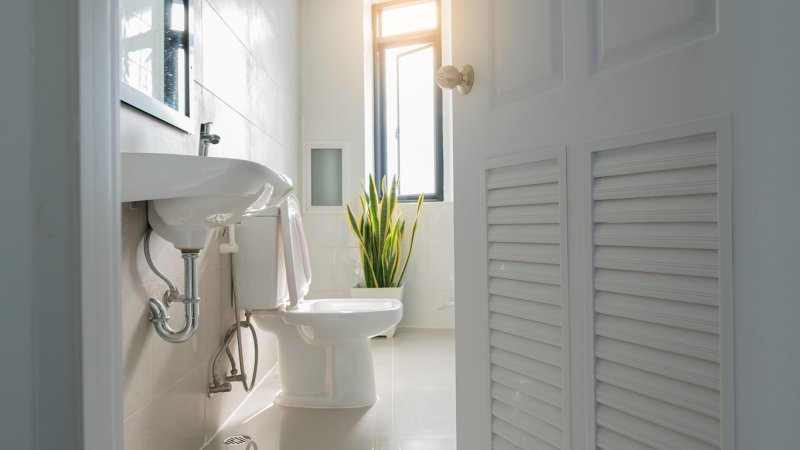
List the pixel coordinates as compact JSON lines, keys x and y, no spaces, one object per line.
{"x":206,"y":138}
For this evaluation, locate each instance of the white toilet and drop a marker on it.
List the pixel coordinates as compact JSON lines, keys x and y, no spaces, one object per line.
{"x":324,"y":348}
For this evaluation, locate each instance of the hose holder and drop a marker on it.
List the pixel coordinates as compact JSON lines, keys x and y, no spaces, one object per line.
{"x":159,"y":314}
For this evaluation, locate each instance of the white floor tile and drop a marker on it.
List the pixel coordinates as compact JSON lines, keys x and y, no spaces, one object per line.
{"x":415,"y":381}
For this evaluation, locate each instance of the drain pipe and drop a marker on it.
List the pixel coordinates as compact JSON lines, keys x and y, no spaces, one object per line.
{"x":190,"y":299}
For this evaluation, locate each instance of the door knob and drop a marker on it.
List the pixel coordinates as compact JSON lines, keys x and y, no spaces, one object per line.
{"x":449,"y":77}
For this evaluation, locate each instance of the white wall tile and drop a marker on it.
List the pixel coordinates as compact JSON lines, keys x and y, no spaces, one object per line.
{"x":226,"y":62}
{"x":215,"y":311}
{"x":424,"y":308}
{"x":316,"y":294}
{"x":263,"y":36}
{"x":323,"y":269}
{"x":345,"y":237}
{"x":234,"y":131}
{"x":290,"y":162}
{"x":137,"y":350}
{"x":437,"y":218}
{"x":179,"y":413}
{"x":347,"y":262}
{"x":418,"y":269}
{"x":288,"y":131}
{"x":322,"y":230}
{"x":265,"y":150}
{"x":263,"y":99}
{"x":235,"y":14}
{"x":442,"y":268}
{"x":246,"y":52}
{"x":139,"y":430}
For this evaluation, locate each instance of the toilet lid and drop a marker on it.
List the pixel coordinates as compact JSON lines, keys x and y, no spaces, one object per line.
{"x":295,"y":250}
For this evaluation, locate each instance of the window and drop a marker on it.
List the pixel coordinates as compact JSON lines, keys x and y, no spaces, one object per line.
{"x":408,"y":104}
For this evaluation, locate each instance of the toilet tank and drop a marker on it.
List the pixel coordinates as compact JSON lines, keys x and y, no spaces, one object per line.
{"x":259,"y":273}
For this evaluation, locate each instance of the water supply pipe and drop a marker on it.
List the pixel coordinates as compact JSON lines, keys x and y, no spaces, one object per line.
{"x":159,"y":314}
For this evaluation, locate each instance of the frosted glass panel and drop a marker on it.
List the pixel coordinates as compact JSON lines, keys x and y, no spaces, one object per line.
{"x":326,"y":177}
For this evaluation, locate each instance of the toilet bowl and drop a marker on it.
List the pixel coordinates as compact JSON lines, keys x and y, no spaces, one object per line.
{"x":324,"y":351}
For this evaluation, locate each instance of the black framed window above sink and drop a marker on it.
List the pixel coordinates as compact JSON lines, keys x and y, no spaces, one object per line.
{"x":156,"y":63}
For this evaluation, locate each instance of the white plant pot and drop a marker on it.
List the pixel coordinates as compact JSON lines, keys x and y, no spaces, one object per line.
{"x":364,"y":292}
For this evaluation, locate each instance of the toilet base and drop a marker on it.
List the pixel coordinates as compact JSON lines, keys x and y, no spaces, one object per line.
{"x":312,"y":376}
{"x":340,"y":376}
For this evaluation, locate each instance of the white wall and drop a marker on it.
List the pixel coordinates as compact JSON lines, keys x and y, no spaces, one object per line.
{"x":39,"y":196}
{"x":246,"y":82}
{"x":336,"y":106}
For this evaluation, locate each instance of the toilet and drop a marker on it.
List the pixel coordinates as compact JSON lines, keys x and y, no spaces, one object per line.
{"x":324,"y":351}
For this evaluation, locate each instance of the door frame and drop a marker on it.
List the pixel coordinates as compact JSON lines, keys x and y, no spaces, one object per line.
{"x":96,"y":35}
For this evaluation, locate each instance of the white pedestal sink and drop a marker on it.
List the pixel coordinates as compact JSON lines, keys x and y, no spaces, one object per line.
{"x":190,"y":195}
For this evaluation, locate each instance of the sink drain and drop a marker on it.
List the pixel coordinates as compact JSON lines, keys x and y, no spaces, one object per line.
{"x":237,"y":440}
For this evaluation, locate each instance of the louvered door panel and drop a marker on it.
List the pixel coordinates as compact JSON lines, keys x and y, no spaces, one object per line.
{"x":656,"y":294}
{"x":525,"y":199}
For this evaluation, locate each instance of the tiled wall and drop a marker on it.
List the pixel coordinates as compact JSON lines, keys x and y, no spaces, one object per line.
{"x":246,"y":82}
{"x":336,"y":108}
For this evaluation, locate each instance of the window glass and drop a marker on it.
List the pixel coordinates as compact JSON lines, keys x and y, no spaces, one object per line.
{"x":408,"y":102}
{"x":416,"y":137}
{"x":408,"y":18}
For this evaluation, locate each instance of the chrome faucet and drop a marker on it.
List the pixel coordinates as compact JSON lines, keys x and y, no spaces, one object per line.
{"x":206,"y":138}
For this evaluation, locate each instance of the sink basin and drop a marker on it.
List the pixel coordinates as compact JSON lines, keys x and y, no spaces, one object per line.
{"x":188,"y":196}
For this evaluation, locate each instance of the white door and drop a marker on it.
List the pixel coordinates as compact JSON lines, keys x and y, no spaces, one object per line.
{"x":592,"y":178}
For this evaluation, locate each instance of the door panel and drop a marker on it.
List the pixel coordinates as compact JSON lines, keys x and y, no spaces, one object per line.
{"x":526,"y":299}
{"x":538,"y":66}
{"x":552,"y":73}
{"x":658,"y":369}
{"x":624,"y":31}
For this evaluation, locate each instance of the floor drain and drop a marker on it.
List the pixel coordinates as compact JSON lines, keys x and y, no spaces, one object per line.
{"x":236,"y":440}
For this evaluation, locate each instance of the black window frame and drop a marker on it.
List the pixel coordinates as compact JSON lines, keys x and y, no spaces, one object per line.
{"x":431,"y":37}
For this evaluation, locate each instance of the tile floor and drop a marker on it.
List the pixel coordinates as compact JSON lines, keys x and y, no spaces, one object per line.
{"x":415,"y":380}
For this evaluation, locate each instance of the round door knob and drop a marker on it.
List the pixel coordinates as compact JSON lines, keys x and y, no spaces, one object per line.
{"x":449,"y":77}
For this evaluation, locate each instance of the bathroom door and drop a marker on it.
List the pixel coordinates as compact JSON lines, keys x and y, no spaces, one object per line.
{"x":589,"y":185}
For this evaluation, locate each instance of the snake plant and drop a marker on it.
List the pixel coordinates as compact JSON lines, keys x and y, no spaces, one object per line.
{"x":380,"y":231}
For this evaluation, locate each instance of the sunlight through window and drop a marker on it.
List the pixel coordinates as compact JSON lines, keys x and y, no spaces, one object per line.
{"x":408,"y":103}
{"x":408,"y":18}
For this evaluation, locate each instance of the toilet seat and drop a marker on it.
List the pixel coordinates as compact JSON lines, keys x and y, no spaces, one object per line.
{"x":295,"y":251}
{"x":333,"y":318}
{"x":326,"y":322}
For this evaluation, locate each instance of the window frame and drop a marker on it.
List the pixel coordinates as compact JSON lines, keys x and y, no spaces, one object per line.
{"x":432,"y":37}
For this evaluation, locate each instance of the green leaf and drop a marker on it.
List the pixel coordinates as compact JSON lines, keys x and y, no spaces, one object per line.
{"x":372,"y":201}
{"x":420,"y":200}
{"x":384,"y":212}
{"x":365,"y":257}
{"x":393,"y":196}
{"x":380,"y":232}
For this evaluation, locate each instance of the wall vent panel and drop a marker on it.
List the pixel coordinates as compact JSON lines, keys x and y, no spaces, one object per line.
{"x":525,"y":207}
{"x":656,"y":294}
